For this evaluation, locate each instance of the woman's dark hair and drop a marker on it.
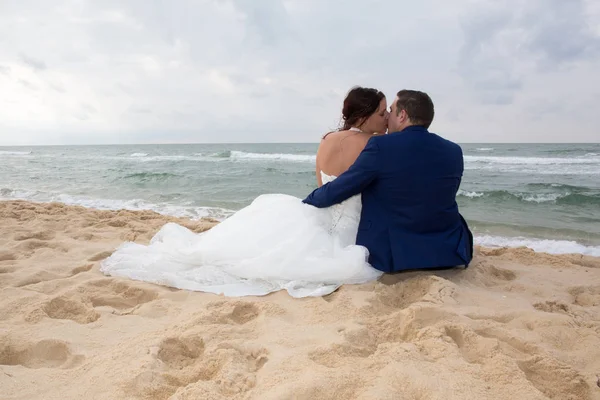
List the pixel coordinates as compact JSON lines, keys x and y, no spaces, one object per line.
{"x":360,"y":103}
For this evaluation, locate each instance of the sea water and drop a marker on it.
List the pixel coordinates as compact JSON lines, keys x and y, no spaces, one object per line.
{"x":544,"y":196}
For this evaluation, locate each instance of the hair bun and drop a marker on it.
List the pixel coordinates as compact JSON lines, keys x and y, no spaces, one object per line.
{"x":360,"y":103}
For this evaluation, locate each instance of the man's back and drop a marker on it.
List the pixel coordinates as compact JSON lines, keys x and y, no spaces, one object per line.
{"x":412,"y":204}
{"x":409,"y":219}
{"x":419,"y":178}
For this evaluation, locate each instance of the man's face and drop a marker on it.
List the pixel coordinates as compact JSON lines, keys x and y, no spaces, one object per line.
{"x":397,"y":120}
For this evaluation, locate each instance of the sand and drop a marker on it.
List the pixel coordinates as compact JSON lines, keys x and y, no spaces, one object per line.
{"x":515,"y":325}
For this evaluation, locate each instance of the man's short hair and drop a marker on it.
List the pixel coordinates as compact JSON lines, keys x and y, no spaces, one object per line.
{"x":418,"y":106}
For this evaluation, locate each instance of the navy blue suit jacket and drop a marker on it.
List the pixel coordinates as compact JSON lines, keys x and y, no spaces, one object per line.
{"x":409,"y":219}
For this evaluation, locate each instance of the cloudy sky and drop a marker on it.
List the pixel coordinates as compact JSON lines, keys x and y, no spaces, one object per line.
{"x":159,"y":71}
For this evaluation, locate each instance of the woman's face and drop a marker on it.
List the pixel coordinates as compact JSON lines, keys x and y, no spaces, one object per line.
{"x":377,"y":122}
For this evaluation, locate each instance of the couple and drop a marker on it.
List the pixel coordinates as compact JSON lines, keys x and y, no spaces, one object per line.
{"x":385,"y":203}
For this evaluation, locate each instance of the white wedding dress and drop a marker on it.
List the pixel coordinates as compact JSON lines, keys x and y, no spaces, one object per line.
{"x":275,"y":243}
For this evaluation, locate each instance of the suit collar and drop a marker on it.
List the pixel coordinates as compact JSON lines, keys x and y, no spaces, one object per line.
{"x":413,"y":128}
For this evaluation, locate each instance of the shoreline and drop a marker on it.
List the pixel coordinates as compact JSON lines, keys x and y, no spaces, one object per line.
{"x":516,"y":323}
{"x":487,"y":239}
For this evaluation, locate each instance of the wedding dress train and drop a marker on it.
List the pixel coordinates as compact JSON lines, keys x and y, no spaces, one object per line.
{"x":275,"y":243}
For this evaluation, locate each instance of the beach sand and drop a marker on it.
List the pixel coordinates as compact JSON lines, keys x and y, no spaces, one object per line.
{"x":515,"y":325}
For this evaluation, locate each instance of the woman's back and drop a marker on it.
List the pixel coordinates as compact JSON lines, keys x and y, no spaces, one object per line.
{"x":338,"y":151}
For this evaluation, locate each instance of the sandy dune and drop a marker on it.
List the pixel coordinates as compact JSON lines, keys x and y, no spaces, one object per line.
{"x":515,"y":325}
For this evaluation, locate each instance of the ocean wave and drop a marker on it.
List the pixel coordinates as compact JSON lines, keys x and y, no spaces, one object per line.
{"x":565,"y":198}
{"x":232,"y":155}
{"x":539,"y":245}
{"x":150,"y":176}
{"x":189,"y":211}
{"x":219,"y":154}
{"x":569,"y":150}
{"x":226,"y":155}
{"x":556,"y":186}
{"x":484,"y":149}
{"x":14,"y":153}
{"x":530,"y":160}
{"x":472,"y":195}
{"x":150,"y":159}
{"x":240,"y":155}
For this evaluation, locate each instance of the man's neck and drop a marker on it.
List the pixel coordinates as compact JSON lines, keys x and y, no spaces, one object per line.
{"x":413,"y":127}
{"x":410,"y":128}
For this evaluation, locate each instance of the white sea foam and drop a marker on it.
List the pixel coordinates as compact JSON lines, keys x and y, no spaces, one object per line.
{"x":528,"y":197}
{"x":484,"y":149}
{"x":539,"y":245}
{"x":240,"y":155}
{"x":542,"y":197}
{"x":192,"y":212}
{"x":535,"y":165}
{"x":531,"y":160}
{"x":471,"y":195}
{"x":14,"y":153}
{"x":139,"y":155}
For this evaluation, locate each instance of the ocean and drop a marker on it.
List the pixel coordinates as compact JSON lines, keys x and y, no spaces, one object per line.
{"x":544,"y":196}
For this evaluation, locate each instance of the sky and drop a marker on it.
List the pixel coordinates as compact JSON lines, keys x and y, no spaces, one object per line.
{"x":220,"y":71}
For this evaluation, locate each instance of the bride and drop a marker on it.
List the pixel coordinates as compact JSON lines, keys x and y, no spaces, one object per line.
{"x":277,"y":242}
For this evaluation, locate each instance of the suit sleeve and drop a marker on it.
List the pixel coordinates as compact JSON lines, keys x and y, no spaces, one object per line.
{"x":352,"y":182}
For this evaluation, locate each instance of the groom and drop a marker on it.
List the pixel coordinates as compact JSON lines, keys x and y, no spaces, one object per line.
{"x":408,"y":180}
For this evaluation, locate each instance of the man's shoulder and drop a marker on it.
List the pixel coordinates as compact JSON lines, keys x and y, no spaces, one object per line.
{"x":375,"y":141}
{"x":447,"y":142}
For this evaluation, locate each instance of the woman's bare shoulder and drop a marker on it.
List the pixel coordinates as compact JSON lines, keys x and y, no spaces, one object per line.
{"x":335,"y":135}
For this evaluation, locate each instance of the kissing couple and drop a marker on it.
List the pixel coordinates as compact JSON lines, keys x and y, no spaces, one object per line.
{"x":386,"y":203}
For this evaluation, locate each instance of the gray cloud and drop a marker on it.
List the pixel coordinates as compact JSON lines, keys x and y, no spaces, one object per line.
{"x":560,"y":32}
{"x":37,"y":65}
{"x":505,"y":43}
{"x":27,"y":84}
{"x":57,"y":87}
{"x":277,"y":70}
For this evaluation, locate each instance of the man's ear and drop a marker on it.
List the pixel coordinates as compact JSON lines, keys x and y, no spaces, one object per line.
{"x":403,"y":115}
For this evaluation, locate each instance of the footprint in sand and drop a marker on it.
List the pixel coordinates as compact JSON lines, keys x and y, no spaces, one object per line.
{"x":232,"y":313}
{"x":555,"y":379}
{"x":30,"y":246}
{"x":486,"y":274}
{"x":552,"y":307}
{"x":37,"y":277}
{"x":395,"y":326}
{"x":357,"y":343}
{"x":501,"y":274}
{"x":423,"y":288}
{"x":41,"y":235}
{"x":178,"y":353}
{"x":79,"y":304}
{"x":474,"y":348}
{"x":7,"y":256}
{"x":8,"y":269}
{"x":43,"y":354}
{"x":187,"y":365}
{"x":100,"y":256}
{"x":118,"y":295}
{"x":65,"y":308}
{"x":585,"y":296}
{"x":510,"y":344}
{"x":46,"y":276}
{"x":81,"y":269}
{"x":502,"y":318}
{"x":243,"y":313}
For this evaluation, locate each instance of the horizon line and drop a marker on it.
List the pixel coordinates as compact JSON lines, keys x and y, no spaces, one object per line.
{"x":250,"y":143}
